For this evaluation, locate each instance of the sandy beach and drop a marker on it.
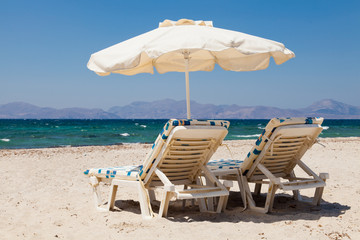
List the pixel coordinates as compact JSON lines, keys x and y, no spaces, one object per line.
{"x":45,"y":195}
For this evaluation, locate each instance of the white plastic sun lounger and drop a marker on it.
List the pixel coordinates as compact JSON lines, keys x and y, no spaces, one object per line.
{"x":174,"y":166}
{"x":272,"y":161}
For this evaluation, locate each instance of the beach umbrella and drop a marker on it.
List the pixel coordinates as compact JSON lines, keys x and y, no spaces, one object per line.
{"x":187,"y":46}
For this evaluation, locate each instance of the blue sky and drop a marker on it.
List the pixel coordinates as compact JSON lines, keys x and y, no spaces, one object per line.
{"x":45,"y":46}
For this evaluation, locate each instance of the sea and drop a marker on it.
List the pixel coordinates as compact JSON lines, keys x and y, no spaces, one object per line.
{"x":29,"y":133}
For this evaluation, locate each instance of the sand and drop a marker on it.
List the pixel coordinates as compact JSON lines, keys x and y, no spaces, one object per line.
{"x":44,"y":195}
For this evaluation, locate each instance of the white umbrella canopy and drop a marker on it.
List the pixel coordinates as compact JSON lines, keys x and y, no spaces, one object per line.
{"x":187,"y":46}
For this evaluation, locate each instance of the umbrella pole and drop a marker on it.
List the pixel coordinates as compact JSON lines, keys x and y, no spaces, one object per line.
{"x":187,"y":86}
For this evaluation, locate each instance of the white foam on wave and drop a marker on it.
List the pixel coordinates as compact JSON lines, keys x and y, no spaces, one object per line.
{"x":65,"y":146}
{"x":5,"y":140}
{"x":247,"y":136}
{"x":125,"y":134}
{"x":261,"y":127}
{"x":143,"y":126}
{"x":325,"y":127}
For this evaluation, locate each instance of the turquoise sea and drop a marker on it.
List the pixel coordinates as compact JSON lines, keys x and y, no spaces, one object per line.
{"x":15,"y":134}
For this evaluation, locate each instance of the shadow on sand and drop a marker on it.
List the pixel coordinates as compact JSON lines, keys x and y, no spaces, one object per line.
{"x":285,"y":208}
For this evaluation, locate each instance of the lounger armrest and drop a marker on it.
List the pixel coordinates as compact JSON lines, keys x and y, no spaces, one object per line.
{"x":228,"y":184}
{"x":324,"y":176}
{"x":168,"y":186}
{"x":303,"y":166}
{"x":268,"y":174}
{"x":211,"y":176}
{"x":94,"y":181}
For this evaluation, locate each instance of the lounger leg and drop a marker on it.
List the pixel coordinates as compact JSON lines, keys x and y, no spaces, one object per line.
{"x":221,"y":204}
{"x":112,"y":195}
{"x":319,"y":191}
{"x":296,"y":193}
{"x":184,"y":200}
{"x":96,"y":194}
{"x":201,"y":201}
{"x":164,"y":206}
{"x":270,"y":197}
{"x":228,"y":185}
{"x":210,"y":201}
{"x":152,"y":196}
{"x":202,"y":205}
{"x":257,"y":189}
{"x":248,"y":197}
{"x":242,"y":189}
{"x":144,"y":200}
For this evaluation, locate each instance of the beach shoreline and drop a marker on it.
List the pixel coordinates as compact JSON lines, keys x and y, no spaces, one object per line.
{"x":46,"y":195}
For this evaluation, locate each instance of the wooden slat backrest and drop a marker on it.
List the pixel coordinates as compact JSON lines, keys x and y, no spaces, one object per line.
{"x":164,"y":135}
{"x":185,"y":151}
{"x":280,"y":146}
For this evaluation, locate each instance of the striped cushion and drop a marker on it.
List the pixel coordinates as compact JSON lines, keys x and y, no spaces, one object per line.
{"x":124,"y":172}
{"x":224,"y":164}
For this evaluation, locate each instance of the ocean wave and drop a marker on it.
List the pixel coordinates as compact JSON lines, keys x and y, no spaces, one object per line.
{"x":247,"y":136}
{"x":5,"y":140}
{"x":124,"y":134}
{"x":326,"y":127}
{"x":261,"y":128}
{"x":143,"y":126}
{"x":64,"y":146}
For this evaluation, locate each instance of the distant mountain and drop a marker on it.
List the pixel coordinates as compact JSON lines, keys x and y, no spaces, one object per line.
{"x":177,"y":109}
{"x":329,"y":108}
{"x":20,"y":110}
{"x":157,"y":109}
{"x":169,"y":108}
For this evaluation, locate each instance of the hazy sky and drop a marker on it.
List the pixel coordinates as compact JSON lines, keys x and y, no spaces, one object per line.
{"x":45,"y":46}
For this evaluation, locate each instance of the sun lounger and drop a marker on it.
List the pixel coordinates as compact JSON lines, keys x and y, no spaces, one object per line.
{"x":174,"y":166}
{"x":272,"y":161}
